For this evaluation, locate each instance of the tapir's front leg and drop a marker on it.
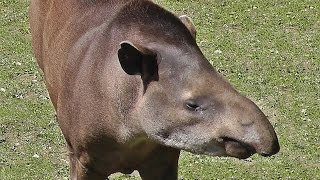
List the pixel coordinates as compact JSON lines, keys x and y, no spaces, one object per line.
{"x":81,"y":171}
{"x":162,"y":164}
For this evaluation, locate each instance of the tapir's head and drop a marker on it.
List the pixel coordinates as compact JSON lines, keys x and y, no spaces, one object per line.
{"x":186,"y":104}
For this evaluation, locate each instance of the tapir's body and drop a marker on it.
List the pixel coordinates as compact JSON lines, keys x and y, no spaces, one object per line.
{"x":131,"y":88}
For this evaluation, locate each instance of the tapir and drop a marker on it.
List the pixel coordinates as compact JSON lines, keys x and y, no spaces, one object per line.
{"x":131,"y":89}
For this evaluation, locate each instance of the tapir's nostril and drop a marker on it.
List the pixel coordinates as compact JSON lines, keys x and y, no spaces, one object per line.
{"x":247,"y":123}
{"x":275,"y":148}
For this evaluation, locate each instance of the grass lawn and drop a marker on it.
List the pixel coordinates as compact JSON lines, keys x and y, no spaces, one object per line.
{"x":269,"y":50}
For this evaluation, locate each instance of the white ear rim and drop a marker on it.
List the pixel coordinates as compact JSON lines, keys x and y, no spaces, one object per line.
{"x":138,"y":47}
{"x":187,"y":21}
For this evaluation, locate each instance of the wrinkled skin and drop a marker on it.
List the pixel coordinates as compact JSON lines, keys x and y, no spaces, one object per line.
{"x":131,"y":88}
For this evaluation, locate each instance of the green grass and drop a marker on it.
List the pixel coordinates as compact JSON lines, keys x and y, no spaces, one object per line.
{"x":269,"y":50}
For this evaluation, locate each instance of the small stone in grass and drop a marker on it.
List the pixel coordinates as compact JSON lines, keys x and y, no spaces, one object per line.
{"x":35,"y":156}
{"x":218,"y":51}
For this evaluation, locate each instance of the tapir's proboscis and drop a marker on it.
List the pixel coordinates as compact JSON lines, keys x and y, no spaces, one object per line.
{"x":131,"y":89}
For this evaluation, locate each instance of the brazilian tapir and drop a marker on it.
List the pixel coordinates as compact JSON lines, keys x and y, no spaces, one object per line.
{"x":131,"y":88}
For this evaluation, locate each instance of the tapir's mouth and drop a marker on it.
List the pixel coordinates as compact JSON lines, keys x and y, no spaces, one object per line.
{"x":237,"y":148}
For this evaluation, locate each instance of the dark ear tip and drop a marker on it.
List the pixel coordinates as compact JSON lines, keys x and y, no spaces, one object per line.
{"x":123,"y":45}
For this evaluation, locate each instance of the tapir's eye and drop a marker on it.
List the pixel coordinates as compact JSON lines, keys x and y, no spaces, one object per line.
{"x":193,"y":106}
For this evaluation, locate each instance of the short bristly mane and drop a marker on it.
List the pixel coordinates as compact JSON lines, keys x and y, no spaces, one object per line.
{"x":154,"y":20}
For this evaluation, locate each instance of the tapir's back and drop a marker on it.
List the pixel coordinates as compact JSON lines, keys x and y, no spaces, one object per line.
{"x":49,"y":19}
{"x":58,"y":25}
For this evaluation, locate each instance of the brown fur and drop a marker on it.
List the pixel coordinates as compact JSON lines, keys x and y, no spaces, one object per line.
{"x":131,"y":88}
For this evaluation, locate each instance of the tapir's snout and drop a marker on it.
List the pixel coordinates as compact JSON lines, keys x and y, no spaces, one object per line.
{"x":271,"y":150}
{"x":242,"y":150}
{"x":247,"y":130}
{"x":269,"y":144}
{"x":243,"y":145}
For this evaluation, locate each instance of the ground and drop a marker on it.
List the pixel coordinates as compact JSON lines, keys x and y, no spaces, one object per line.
{"x":269,"y":50}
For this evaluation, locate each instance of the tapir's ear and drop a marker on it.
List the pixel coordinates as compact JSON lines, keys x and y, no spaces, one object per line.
{"x":137,"y":60}
{"x":187,"y":21}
